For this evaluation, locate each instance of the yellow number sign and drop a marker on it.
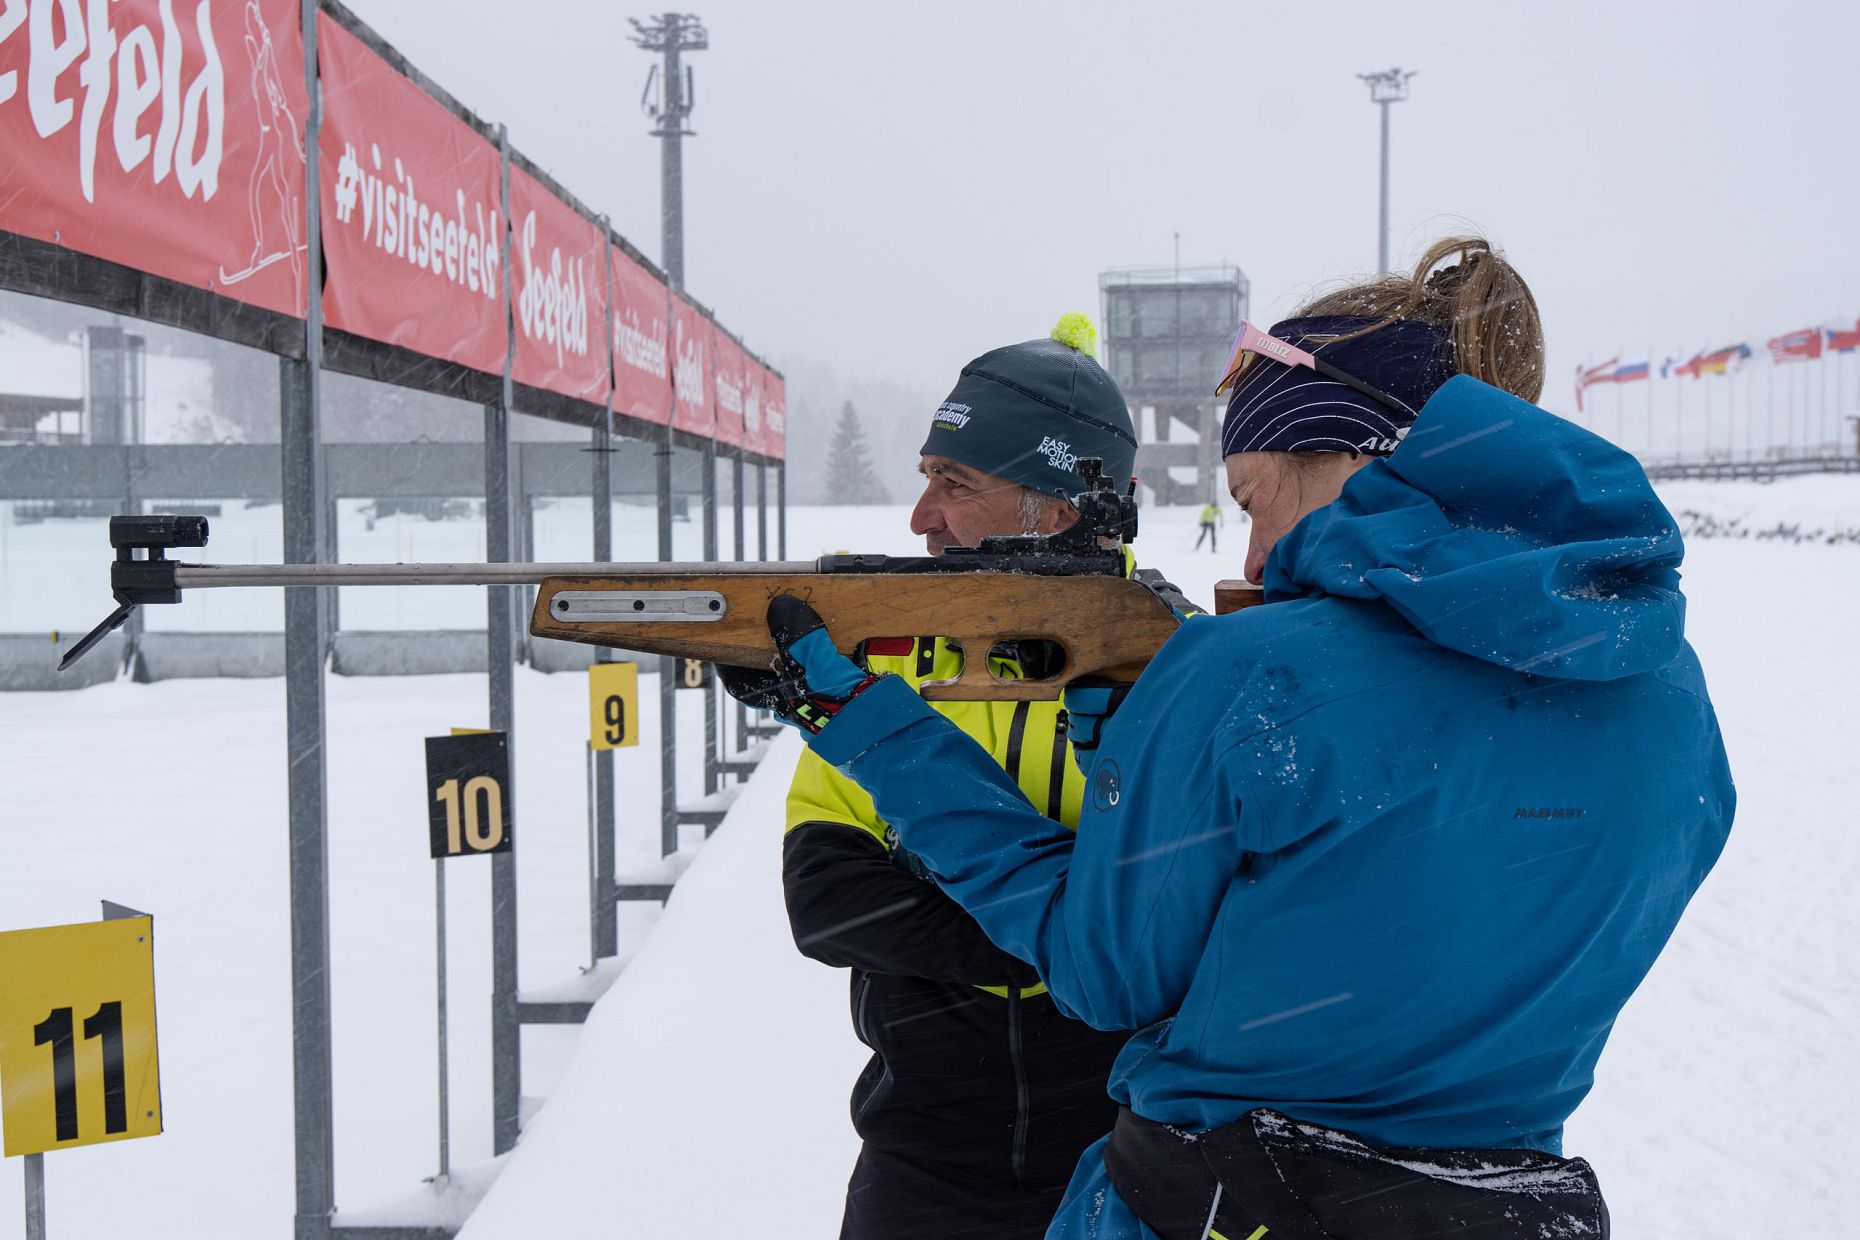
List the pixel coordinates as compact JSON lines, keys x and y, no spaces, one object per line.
{"x":77,"y":1035}
{"x":613,"y":705}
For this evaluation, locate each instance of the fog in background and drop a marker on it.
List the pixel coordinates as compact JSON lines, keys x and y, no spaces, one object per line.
{"x":889,"y":190}
{"x":877,"y":193}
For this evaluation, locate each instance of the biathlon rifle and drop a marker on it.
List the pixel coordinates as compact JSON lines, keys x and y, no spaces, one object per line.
{"x":1069,"y":589}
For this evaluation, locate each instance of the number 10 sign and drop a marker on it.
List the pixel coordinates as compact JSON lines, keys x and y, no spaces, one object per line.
{"x":467,"y":794}
{"x":77,"y":1035}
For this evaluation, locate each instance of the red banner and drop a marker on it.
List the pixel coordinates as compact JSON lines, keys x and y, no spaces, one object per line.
{"x":558,"y":280}
{"x":642,"y":355}
{"x":693,"y":409}
{"x":754,"y":375}
{"x":168,"y":143}
{"x":727,"y":382}
{"x":774,"y":416}
{"x":411,"y":216}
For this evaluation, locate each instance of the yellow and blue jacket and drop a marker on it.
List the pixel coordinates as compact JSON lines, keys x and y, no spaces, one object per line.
{"x":973,"y":1069}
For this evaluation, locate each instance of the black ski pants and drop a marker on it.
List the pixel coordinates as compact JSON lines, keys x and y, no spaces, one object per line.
{"x":890,"y":1198}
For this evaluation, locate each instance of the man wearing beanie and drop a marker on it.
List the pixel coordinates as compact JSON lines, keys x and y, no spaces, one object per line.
{"x":979,"y":1096}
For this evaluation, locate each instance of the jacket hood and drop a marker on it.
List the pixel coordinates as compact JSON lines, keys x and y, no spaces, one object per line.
{"x":1503,"y":532}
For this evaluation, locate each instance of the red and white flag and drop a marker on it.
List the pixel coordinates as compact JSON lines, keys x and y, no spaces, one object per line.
{"x":1588,"y":376}
{"x":1796,"y":346}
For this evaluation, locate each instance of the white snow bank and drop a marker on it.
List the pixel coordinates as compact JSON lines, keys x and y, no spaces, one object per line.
{"x":708,"y":1093}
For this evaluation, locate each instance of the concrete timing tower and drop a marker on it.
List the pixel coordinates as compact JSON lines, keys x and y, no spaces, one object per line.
{"x":1168,"y":332}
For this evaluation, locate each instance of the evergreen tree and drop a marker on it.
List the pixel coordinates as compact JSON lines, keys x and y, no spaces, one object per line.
{"x":851,"y":479}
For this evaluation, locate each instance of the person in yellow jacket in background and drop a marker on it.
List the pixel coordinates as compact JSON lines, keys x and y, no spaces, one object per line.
{"x":979,"y":1096}
{"x":1210,"y":514}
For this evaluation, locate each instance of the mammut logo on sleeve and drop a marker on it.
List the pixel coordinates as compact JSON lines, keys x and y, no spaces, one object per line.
{"x":951,"y":414}
{"x":1106,"y":790}
{"x":1533,"y":811}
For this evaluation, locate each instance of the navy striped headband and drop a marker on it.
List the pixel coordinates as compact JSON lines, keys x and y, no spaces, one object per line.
{"x":1357,"y":395}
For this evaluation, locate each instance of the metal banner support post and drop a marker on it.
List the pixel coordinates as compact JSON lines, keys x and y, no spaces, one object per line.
{"x":668,"y":672}
{"x":762,"y":510}
{"x":781,"y":510}
{"x":742,"y":712}
{"x":594,"y":866}
{"x":712,"y":747}
{"x":501,"y":630}
{"x":301,"y":461}
{"x":35,"y":1197}
{"x":445,"y":1075}
{"x":603,"y":919}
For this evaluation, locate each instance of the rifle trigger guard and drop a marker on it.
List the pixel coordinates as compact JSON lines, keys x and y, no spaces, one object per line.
{"x":641,"y":606}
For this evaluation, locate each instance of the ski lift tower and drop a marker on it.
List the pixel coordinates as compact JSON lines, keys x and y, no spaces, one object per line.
{"x":1168,"y":332}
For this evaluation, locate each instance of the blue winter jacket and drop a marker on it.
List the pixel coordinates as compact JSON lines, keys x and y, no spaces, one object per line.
{"x":1389,"y":853}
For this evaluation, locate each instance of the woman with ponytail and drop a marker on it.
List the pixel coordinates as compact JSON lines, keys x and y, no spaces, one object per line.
{"x":1373,"y":867}
{"x":1292,"y":437}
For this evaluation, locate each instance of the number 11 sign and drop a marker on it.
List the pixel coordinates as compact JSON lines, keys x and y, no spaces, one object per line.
{"x":77,"y":1035}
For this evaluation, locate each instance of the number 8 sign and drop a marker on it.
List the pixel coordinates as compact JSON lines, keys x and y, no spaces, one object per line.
{"x":467,"y":794}
{"x":77,"y":1035}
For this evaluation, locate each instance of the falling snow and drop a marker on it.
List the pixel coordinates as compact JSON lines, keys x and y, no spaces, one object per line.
{"x":713,"y":1079}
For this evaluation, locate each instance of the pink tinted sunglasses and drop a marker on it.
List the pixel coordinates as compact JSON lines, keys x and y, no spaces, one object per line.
{"x":1264,"y":344}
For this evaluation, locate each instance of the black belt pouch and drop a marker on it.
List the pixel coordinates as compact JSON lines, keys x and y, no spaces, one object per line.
{"x":1268,"y":1175}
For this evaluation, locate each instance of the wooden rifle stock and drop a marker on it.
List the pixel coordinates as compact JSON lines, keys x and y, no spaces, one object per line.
{"x":1105,"y":625}
{"x":1231,"y":594}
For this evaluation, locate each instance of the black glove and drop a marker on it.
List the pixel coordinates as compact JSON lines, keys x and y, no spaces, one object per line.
{"x":1169,"y":593}
{"x":810,"y":681}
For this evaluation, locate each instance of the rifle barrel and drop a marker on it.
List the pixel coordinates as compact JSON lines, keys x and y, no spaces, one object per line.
{"x":206,"y":576}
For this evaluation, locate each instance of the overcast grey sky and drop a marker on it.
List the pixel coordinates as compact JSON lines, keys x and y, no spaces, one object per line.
{"x":894,"y":188}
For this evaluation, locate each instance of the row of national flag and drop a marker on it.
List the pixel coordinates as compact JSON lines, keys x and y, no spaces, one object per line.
{"x":1804,"y":345}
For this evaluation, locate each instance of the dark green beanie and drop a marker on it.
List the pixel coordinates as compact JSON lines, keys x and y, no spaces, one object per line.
{"x":1029,"y":411}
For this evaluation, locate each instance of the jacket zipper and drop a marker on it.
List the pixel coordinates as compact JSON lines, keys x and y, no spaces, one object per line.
{"x":1021,"y":1104}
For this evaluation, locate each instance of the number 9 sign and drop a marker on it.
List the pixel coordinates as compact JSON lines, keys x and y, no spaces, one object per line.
{"x":613,"y":705}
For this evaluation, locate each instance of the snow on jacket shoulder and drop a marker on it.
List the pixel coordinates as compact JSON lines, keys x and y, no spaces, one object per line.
{"x":1390,"y":853}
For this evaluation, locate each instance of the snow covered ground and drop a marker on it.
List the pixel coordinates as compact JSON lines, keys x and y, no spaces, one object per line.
{"x":707,"y":1095}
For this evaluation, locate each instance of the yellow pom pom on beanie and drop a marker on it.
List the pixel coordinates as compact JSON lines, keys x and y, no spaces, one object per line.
{"x":1075,"y":331}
